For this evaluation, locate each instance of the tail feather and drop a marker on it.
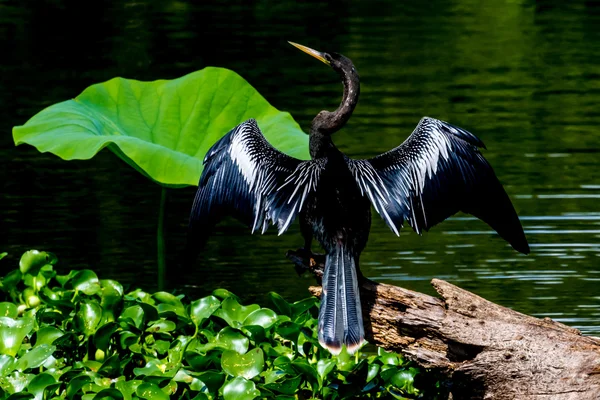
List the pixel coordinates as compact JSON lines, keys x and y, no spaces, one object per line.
{"x":340,"y":316}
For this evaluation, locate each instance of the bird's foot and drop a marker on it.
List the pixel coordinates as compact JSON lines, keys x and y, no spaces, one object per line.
{"x":304,"y":260}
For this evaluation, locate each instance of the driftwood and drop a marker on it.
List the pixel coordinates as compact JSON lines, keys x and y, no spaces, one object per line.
{"x":487,"y":351}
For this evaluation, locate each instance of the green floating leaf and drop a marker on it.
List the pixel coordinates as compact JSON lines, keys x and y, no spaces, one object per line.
{"x":7,"y":365}
{"x":281,"y":304}
{"x":151,"y":391}
{"x":162,"y":128}
{"x":109,"y":394}
{"x":47,"y":335}
{"x":112,"y":293}
{"x":75,"y":385}
{"x":286,"y":386}
{"x":163,"y":325}
{"x":302,"y":366}
{"x":373,"y":371}
{"x":33,"y":260}
{"x":3,"y":254}
{"x":234,"y":313}
{"x":240,"y":389}
{"x":212,"y":379}
{"x":35,"y":357}
{"x":224,"y":293}
{"x":133,"y":315}
{"x":20,"y":396}
{"x":324,"y":367}
{"x":88,"y":317}
{"x":104,"y":334}
{"x":63,"y":279}
{"x":12,"y":333}
{"x":232,"y":339}
{"x":263,"y":317}
{"x":8,"y":310}
{"x":128,"y":388}
{"x":39,"y":383}
{"x":301,"y":306}
{"x":203,"y":308}
{"x":387,"y":358}
{"x":111,"y":367}
{"x":246,"y":365}
{"x":169,"y":302}
{"x":86,"y":281}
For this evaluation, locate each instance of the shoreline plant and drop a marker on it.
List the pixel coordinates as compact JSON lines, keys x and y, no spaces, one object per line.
{"x":70,"y":334}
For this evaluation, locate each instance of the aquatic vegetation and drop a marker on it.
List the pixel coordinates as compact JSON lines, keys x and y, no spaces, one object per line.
{"x":74,"y":335}
{"x":163,"y":128}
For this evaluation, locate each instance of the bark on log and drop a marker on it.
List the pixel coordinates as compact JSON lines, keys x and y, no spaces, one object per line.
{"x":487,"y":351}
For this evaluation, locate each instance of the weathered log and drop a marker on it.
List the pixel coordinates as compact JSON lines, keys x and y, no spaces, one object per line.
{"x":487,"y":351}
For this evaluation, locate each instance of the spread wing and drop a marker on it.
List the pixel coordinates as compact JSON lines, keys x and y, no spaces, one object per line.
{"x":246,"y":177}
{"x":435,"y":173}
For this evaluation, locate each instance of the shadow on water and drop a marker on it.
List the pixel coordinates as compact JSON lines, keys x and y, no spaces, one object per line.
{"x":523,"y":77}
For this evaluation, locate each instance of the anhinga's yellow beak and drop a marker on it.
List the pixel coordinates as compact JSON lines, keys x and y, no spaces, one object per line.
{"x":316,"y":54}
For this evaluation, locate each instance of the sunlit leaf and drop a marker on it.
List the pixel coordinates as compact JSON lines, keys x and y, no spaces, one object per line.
{"x":234,"y":313}
{"x":203,"y":308}
{"x":324,"y":367}
{"x":224,"y":293}
{"x":388,"y":358}
{"x":33,"y":260}
{"x":128,"y":388}
{"x":232,"y":339}
{"x":247,"y":365}
{"x":263,"y":317}
{"x":8,"y":310}
{"x":112,"y":293}
{"x":35,"y":357}
{"x":47,"y":335}
{"x":88,"y":317}
{"x":162,"y":325}
{"x":240,"y":389}
{"x":86,"y":281}
{"x":109,"y":394}
{"x":373,"y":371}
{"x":7,"y":364}
{"x":162,"y":128}
{"x":39,"y":383}
{"x":12,"y":333}
{"x":151,"y":391}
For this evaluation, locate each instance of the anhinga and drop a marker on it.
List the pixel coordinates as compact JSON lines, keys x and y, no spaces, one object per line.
{"x":435,"y":173}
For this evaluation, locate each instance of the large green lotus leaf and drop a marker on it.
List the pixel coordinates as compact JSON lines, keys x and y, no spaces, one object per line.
{"x":162,"y":128}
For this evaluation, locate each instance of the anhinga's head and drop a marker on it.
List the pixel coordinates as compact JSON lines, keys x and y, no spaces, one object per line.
{"x":327,"y":122}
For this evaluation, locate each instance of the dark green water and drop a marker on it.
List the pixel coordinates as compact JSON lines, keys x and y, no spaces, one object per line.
{"x":522,"y":76}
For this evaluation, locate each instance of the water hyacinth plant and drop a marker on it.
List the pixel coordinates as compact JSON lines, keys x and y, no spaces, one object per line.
{"x":73,"y":335}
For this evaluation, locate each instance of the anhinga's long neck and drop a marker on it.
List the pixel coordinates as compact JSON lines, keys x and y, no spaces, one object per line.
{"x":327,"y":122}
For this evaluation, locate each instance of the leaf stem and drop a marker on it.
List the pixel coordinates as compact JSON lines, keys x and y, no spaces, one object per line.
{"x":160,"y":239}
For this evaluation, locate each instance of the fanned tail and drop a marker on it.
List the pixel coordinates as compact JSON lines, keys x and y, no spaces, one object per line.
{"x":340,"y":316}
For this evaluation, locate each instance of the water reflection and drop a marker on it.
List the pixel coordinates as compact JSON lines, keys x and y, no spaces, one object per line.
{"x":521,"y":76}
